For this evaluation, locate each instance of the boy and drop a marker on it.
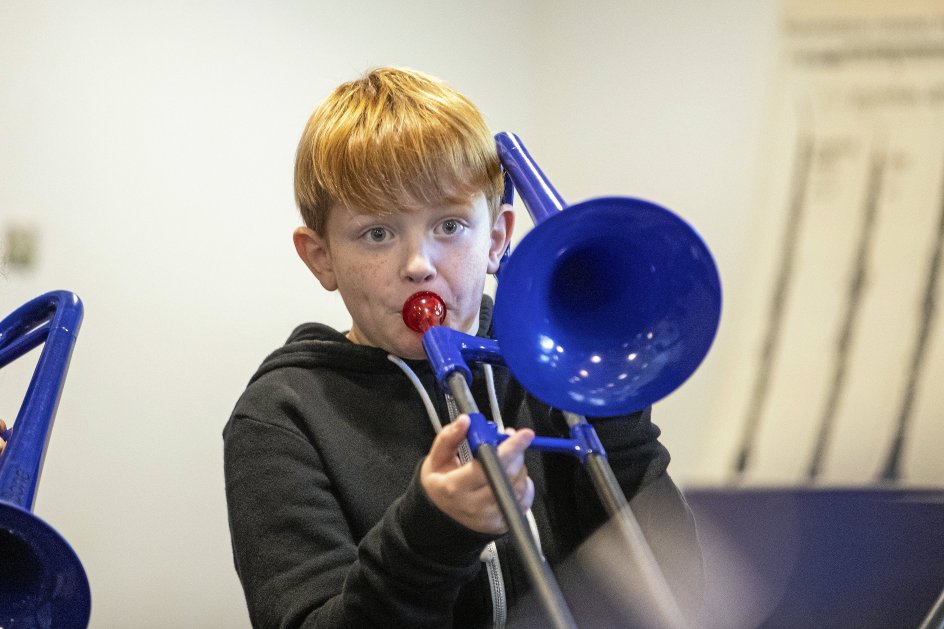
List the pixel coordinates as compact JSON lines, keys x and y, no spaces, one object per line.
{"x":346,"y":508}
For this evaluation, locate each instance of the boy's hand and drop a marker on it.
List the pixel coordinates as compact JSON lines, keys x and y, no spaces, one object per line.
{"x":3,"y":429}
{"x":461,"y":491}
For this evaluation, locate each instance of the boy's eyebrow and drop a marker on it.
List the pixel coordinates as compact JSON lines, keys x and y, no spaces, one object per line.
{"x":363,"y":216}
{"x":466,"y":208}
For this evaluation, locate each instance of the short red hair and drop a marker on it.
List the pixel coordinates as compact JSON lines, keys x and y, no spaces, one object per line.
{"x":390,"y":141}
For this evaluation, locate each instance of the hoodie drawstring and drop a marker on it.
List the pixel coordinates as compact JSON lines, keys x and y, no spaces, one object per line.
{"x":489,"y":555}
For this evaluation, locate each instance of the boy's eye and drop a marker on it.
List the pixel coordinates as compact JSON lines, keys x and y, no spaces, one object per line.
{"x":450,"y":227}
{"x":376,"y":234}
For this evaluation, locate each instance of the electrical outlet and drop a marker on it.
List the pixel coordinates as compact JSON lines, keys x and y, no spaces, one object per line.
{"x":20,"y":248}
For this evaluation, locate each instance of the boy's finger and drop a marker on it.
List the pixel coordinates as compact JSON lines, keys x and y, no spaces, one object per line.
{"x":516,"y":443}
{"x":512,"y":458}
{"x":443,"y":452}
{"x":526,"y":497}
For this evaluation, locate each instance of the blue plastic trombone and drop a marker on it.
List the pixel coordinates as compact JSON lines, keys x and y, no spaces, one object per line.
{"x":604,"y":308}
{"x":42,"y":581}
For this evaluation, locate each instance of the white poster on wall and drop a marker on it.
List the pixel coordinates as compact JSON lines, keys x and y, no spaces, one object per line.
{"x":839,"y":376}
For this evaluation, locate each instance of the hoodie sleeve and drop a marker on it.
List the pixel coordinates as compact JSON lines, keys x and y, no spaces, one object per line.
{"x":297,"y":558}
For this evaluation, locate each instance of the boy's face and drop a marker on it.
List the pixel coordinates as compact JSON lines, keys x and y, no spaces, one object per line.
{"x":377,"y":262}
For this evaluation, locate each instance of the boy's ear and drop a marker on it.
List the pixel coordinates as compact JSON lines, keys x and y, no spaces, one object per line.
{"x":314,"y":252}
{"x":501,"y":236}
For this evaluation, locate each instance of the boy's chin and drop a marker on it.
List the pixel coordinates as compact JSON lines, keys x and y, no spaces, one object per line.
{"x":418,"y":354}
{"x":413,"y":356}
{"x":410,"y":350}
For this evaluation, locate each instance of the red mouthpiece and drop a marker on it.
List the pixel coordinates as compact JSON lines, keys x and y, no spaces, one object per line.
{"x":423,"y":310}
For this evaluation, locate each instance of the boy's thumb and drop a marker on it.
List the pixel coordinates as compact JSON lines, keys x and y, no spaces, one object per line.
{"x":446,"y":444}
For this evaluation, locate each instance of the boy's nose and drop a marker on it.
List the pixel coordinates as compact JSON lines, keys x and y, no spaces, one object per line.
{"x":419,"y":266}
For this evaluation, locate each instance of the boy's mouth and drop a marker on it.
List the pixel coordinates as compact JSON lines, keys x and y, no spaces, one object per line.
{"x":423,"y":310}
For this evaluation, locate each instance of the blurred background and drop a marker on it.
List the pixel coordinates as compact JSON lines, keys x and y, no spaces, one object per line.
{"x":146,"y":154}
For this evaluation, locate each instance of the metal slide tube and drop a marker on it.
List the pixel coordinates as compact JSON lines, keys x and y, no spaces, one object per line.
{"x":665,"y":610}
{"x":539,"y":573}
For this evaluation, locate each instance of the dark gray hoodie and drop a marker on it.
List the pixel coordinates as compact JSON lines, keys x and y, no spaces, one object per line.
{"x":331,"y":527}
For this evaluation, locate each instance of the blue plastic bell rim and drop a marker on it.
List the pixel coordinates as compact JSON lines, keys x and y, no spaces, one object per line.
{"x":608,"y":306}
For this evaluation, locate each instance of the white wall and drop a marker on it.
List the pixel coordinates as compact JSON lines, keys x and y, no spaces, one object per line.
{"x":666,"y":101}
{"x":151,"y":145}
